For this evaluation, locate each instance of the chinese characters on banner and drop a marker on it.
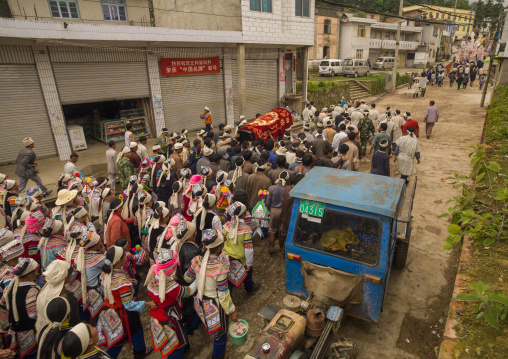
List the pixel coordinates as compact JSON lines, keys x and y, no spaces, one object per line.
{"x":190,"y":66}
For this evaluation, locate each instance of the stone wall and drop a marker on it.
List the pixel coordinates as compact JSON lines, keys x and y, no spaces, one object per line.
{"x":326,"y":96}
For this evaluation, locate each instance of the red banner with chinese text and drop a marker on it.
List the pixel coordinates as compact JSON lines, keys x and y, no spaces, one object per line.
{"x":190,"y":66}
{"x":274,"y":121}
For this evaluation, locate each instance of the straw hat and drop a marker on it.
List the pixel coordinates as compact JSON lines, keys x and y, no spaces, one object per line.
{"x":65,"y":196}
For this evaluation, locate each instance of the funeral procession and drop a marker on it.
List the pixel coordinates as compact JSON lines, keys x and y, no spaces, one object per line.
{"x":253,"y":179}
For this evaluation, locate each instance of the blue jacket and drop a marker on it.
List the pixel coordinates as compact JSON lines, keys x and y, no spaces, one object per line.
{"x":194,"y":156}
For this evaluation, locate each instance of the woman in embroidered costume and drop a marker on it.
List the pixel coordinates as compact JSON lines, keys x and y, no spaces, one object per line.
{"x":89,"y":262}
{"x":207,"y":178}
{"x":156,"y":171}
{"x":191,"y":197}
{"x":96,"y":203}
{"x":11,"y":250}
{"x":168,"y":334}
{"x":69,"y":255}
{"x":63,"y":181}
{"x":19,"y":300}
{"x":213,"y":301}
{"x":79,"y":217}
{"x":225,"y":198}
{"x":176,"y":199}
{"x":145,"y":203}
{"x":57,"y":275}
{"x":80,"y":343}
{"x":57,"y":311}
{"x":107,"y":195}
{"x":52,"y":241}
{"x":158,"y":229}
{"x":207,"y":218}
{"x":130,"y":264}
{"x":239,"y":248}
{"x":29,"y":235}
{"x":120,"y":321}
{"x":64,"y":204}
{"x":166,"y":180}
{"x":77,"y":185}
{"x":36,"y":196}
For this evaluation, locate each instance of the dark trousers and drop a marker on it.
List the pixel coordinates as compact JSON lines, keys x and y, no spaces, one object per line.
{"x":208,"y":127}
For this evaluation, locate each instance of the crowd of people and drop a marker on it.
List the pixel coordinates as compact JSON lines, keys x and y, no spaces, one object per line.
{"x":71,"y":274}
{"x":460,"y":74}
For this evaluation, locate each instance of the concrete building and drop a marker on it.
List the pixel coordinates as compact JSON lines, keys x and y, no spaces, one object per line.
{"x":354,"y":40}
{"x":101,"y":64}
{"x":431,"y":39}
{"x":365,"y":38}
{"x":462,"y":19}
{"x":326,"y":34}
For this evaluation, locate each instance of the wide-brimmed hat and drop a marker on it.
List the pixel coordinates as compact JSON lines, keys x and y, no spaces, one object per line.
{"x":65,"y":196}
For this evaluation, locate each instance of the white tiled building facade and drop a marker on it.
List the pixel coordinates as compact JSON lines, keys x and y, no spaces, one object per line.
{"x":48,"y":45}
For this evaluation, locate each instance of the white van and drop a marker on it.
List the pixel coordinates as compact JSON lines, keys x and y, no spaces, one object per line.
{"x":330,"y":67}
{"x":384,"y":63}
{"x":355,"y":67}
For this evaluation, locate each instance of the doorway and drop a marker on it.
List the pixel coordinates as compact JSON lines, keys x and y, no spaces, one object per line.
{"x":288,"y":70}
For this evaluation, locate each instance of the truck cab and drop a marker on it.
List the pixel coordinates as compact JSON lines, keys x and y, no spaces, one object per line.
{"x":347,"y":229}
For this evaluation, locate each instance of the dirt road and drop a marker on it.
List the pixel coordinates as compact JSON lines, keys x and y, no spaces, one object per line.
{"x":417,"y":298}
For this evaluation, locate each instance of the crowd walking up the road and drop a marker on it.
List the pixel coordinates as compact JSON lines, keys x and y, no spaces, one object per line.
{"x":191,"y":214}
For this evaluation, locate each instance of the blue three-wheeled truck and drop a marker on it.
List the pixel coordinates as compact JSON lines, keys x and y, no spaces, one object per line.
{"x":347,"y":230}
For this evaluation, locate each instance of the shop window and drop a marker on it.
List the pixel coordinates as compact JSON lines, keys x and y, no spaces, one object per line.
{"x":362,"y":32}
{"x":64,"y":9}
{"x":302,"y":8}
{"x":326,"y":52}
{"x":114,"y":10}
{"x":359,"y":54}
{"x":261,"y":5}
{"x":328,"y":27}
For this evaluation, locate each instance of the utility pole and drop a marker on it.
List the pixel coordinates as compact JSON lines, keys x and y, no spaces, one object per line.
{"x":454,"y":18}
{"x":491,"y":64}
{"x":397,"y":41}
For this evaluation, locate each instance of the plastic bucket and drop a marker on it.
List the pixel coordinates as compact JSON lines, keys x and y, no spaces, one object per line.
{"x":239,"y":340}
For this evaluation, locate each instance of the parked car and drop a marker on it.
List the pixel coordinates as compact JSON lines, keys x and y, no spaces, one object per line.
{"x":355,"y":67}
{"x":384,"y":63}
{"x":330,"y":67}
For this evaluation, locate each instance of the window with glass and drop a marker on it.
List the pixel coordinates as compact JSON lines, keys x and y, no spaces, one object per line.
{"x":340,"y":234}
{"x":430,"y":15}
{"x":362,"y":32}
{"x":302,"y":8}
{"x":327,"y":27}
{"x":326,"y":52}
{"x":359,"y":54}
{"x":64,"y":9}
{"x":261,"y":5}
{"x":114,"y":10}
{"x":442,"y":16}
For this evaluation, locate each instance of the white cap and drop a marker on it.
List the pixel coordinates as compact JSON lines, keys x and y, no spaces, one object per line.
{"x":156,"y":147}
{"x":242,"y":117}
{"x":126,"y":150}
{"x":206,"y":108}
{"x":178,"y":146}
{"x":133,"y":144}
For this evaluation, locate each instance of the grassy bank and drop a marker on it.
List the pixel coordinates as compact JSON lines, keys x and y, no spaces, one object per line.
{"x":488,"y":264}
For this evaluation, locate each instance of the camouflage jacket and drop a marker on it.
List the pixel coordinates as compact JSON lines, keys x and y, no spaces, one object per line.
{"x":125,"y":170}
{"x":366,"y":128}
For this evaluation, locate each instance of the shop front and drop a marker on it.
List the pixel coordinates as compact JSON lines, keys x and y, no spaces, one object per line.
{"x":100,"y":99}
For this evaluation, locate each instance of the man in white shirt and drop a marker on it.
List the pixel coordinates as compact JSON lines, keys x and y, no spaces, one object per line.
{"x":70,"y":167}
{"x":129,"y":136}
{"x":111,"y":156}
{"x":356,"y":117}
{"x":364,"y":106}
{"x":307,"y":112}
{"x":142,"y":152}
{"x":339,"y":136}
{"x":374,"y":115}
{"x":324,"y":113}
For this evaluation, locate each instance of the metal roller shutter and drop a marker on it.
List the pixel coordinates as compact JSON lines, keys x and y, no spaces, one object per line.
{"x":261,"y":81}
{"x":97,"y":82}
{"x":185,"y":97}
{"x":23,"y":113}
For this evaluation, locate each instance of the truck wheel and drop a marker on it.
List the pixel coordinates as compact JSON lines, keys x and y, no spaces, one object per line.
{"x":400,"y":255}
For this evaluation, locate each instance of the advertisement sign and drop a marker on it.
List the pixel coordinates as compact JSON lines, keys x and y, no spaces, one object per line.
{"x":190,"y":66}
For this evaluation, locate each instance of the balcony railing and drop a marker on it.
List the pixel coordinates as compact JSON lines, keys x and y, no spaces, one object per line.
{"x":390,"y":44}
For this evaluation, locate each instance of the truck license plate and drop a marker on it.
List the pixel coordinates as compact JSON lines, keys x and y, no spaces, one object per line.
{"x":312,"y":208}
